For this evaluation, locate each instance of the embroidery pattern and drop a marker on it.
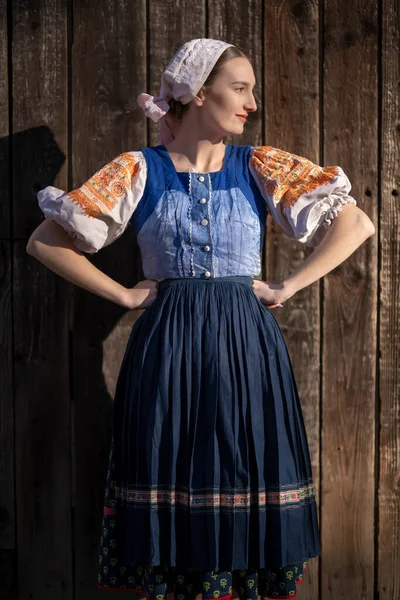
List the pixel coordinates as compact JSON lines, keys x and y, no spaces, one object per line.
{"x":102,"y":192}
{"x":284,"y":174}
{"x":291,"y":497}
{"x":155,"y":581}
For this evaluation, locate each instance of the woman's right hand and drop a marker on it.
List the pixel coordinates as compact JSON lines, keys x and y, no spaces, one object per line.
{"x":142,"y":295}
{"x":271,"y":294}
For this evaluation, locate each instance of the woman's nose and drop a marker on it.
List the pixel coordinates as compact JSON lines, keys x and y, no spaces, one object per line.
{"x":252,"y":106}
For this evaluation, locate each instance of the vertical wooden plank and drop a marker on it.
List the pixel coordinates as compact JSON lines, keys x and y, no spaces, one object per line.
{"x":350,"y":112}
{"x":8,"y":551}
{"x":4,"y":125}
{"x":42,"y":425}
{"x":291,"y":62}
{"x":186,"y":21}
{"x":40,"y":306}
{"x":243,"y":28}
{"x":8,"y":571}
{"x":108,"y":73}
{"x":388,"y":556}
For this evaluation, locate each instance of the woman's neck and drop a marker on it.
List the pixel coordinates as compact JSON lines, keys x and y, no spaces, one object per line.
{"x":203,"y":157}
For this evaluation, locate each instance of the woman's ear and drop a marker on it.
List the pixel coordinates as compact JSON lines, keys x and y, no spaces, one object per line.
{"x":200,"y":97}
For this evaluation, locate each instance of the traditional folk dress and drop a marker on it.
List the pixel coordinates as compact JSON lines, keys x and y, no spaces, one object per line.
{"x":209,"y":486}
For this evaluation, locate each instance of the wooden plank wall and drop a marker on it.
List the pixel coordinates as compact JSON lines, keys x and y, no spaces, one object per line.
{"x":327,"y":88}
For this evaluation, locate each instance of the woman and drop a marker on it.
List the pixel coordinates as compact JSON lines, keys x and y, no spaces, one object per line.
{"x":209,"y":489}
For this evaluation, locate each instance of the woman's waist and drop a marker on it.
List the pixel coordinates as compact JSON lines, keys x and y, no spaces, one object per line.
{"x":247,"y":280}
{"x":203,"y":279}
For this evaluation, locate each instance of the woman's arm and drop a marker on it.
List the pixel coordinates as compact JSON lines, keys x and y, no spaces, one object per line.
{"x":349,"y":229}
{"x":51,"y":245}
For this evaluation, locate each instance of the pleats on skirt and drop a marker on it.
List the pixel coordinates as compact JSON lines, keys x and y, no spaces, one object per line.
{"x":209,"y":486}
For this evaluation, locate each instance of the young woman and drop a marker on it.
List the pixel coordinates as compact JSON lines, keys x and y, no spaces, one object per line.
{"x":209,"y":489}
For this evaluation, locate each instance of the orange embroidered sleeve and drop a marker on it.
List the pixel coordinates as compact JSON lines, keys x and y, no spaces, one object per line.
{"x":302,"y":197}
{"x":108,"y":187}
{"x":98,"y":212}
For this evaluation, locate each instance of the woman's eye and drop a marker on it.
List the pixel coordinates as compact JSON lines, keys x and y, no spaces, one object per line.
{"x":242,"y":88}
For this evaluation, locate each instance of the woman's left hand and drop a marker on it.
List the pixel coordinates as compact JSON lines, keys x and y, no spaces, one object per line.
{"x":271,"y":294}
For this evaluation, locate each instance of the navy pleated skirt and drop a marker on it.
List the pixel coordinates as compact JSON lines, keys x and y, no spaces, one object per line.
{"x":209,"y":475}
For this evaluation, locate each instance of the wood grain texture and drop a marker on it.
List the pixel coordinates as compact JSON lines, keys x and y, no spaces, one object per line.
{"x":8,"y":550}
{"x":186,"y":21}
{"x":108,"y":59}
{"x":76,"y":70}
{"x":388,"y":390}
{"x":350,"y":308}
{"x":243,"y":28}
{"x":40,"y":307}
{"x":39,"y":106}
{"x":42,"y":430}
{"x":292,"y":122}
{"x":8,"y":522}
{"x":5,"y":142}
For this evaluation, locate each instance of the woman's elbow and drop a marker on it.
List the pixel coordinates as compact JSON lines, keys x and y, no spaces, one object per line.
{"x":30,"y":246}
{"x":366,"y":223}
{"x":35,"y":237}
{"x":46,"y":233}
{"x":361,"y":219}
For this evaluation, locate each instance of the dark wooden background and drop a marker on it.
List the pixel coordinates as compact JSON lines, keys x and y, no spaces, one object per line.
{"x":327,"y":85}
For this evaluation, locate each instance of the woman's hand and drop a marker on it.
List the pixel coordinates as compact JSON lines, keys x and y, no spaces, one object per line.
{"x":271,"y":294}
{"x":142,"y":295}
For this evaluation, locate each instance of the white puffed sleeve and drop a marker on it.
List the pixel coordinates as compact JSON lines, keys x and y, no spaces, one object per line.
{"x":303,"y":198}
{"x":98,"y":212}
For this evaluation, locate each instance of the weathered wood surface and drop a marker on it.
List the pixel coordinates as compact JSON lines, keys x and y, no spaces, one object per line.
{"x":327,"y":88}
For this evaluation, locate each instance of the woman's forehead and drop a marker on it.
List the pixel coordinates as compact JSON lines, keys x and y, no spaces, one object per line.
{"x":238,"y":73}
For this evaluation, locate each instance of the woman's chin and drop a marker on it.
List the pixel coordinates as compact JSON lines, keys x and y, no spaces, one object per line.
{"x":237,"y":129}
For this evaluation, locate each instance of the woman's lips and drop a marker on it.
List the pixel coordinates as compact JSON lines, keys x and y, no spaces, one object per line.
{"x":242,"y":117}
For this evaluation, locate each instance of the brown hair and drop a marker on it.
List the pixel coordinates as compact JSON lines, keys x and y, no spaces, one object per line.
{"x":177,"y":108}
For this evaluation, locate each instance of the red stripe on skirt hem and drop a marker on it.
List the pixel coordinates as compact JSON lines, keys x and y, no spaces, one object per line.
{"x":115,"y":589}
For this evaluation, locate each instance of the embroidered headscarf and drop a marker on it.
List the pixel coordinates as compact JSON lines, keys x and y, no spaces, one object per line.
{"x":184,"y":76}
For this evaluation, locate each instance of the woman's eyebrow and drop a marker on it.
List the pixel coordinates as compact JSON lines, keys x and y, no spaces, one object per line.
{"x":244,"y":82}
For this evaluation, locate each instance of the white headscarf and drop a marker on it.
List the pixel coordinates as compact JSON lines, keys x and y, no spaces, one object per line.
{"x":184,"y":76}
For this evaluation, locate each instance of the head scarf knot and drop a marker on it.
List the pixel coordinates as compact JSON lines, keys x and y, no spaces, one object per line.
{"x":154,"y":108}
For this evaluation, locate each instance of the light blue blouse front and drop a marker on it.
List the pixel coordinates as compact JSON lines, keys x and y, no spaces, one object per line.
{"x":215,"y":230}
{"x":200,"y":225}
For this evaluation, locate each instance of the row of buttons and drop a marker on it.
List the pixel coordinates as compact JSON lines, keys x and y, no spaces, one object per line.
{"x":204,"y":222}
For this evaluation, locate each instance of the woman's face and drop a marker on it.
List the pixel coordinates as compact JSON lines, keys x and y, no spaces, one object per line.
{"x":230,"y":95}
